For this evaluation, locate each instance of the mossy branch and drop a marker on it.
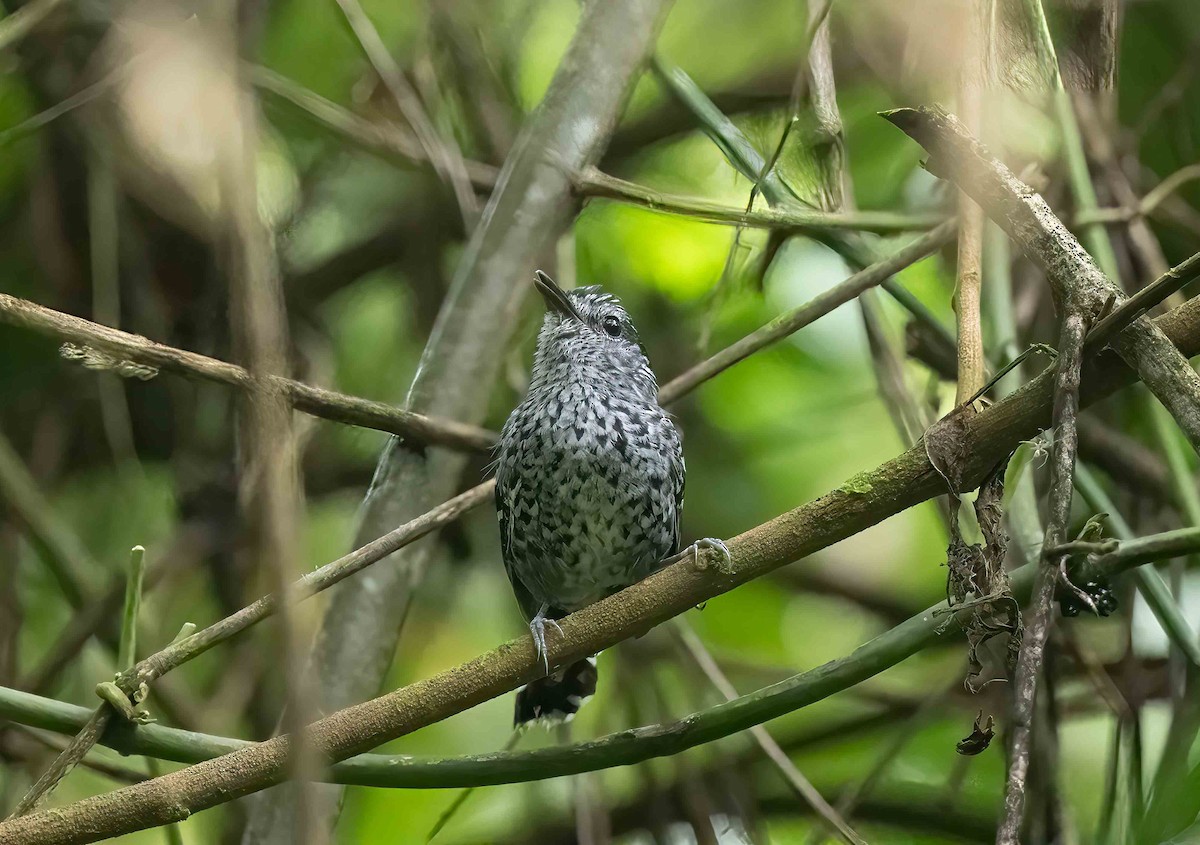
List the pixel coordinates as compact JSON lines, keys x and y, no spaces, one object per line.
{"x":405,"y":771}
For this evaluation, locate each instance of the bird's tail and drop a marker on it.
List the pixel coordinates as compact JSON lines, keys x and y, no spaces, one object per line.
{"x":558,"y":696}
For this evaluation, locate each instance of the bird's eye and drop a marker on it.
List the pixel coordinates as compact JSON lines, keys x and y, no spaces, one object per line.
{"x":611,"y":325}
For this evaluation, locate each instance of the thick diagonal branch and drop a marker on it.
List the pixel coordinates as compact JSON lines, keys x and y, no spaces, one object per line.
{"x":1073,"y":275}
{"x":391,"y":771}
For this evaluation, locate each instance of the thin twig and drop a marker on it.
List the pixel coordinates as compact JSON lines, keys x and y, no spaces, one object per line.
{"x":91,"y":732}
{"x":1033,"y":643}
{"x":269,"y":470}
{"x":443,"y":153}
{"x":1142,"y":301}
{"x":801,"y":316}
{"x":174,"y":655}
{"x":386,"y":139}
{"x":801,"y":785}
{"x":120,"y":774}
{"x":103,"y":241}
{"x":24,"y":20}
{"x":1148,"y":204}
{"x":968,"y":281}
{"x":43,"y":118}
{"x":317,"y":401}
{"x":908,"y":416}
{"x":594,"y":183}
{"x":83,"y":742}
{"x":852,"y":797}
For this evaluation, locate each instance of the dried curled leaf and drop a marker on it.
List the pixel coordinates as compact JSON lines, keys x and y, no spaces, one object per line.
{"x":976,"y":578}
{"x":96,"y":359}
{"x":980,"y":738}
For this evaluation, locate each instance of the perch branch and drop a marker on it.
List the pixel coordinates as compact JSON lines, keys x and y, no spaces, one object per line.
{"x":405,"y":771}
{"x":442,"y":153}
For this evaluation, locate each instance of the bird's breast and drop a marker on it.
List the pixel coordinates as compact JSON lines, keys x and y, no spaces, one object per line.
{"x":585,"y":473}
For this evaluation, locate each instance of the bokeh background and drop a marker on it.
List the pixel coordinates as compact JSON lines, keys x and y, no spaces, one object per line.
{"x":106,"y":211}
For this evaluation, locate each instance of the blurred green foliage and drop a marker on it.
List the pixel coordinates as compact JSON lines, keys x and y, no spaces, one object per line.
{"x":777,"y":430}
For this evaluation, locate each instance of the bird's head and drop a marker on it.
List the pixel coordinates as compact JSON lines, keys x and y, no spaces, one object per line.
{"x":586,"y":331}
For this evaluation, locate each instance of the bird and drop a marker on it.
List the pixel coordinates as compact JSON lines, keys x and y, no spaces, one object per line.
{"x":589,"y":481}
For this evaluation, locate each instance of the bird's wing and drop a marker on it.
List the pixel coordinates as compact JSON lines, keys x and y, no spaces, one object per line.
{"x":507,"y":486}
{"x":676,"y":475}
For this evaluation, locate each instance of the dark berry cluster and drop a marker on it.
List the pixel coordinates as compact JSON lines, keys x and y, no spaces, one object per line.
{"x":1098,"y":587}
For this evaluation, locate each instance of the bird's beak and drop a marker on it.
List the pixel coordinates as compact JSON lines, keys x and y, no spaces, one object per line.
{"x":556,"y":300}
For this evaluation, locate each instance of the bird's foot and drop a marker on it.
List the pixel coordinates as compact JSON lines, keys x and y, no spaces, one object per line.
{"x":537,"y":627}
{"x":724,"y":563}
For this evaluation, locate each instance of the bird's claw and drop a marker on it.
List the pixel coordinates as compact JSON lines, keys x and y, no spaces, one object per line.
{"x":712,"y":544}
{"x":537,"y":628}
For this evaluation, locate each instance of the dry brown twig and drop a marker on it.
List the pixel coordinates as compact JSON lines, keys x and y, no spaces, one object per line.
{"x":1062,"y":472}
{"x":120,"y":346}
{"x":972,"y":365}
{"x":1074,"y":278}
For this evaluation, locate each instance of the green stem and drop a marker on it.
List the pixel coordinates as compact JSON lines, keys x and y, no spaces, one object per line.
{"x":1149,"y":583}
{"x":921,"y":631}
{"x":1182,"y":477}
{"x":724,"y":133}
{"x":127,"y":651}
{"x":1094,"y":235}
{"x":852,"y":246}
{"x":596,"y":184}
